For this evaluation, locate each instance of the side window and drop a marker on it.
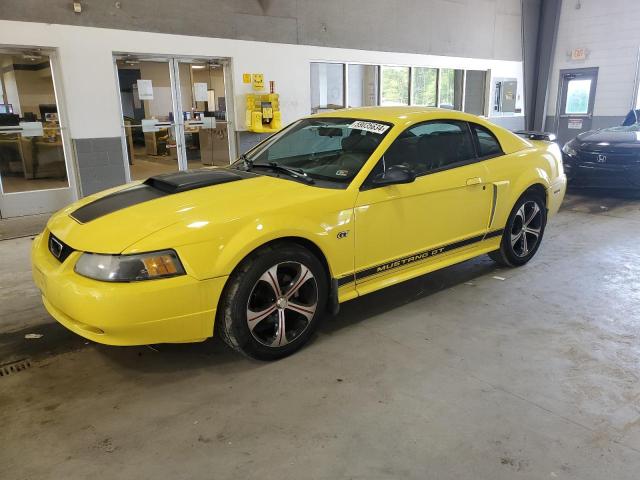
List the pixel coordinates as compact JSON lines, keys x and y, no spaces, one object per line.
{"x":488,"y":145}
{"x":431,"y":146}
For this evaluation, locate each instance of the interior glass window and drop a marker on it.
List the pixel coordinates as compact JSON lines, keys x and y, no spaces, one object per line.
{"x":363,"y":85}
{"x":488,"y":144}
{"x":430,"y":147}
{"x":424,"y":85}
{"x":578,"y":92}
{"x":395,"y":86}
{"x":451,"y":87}
{"x":327,"y":86}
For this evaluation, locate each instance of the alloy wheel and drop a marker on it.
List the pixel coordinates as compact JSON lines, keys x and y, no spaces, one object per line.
{"x":526,"y":228}
{"x":282,"y":304}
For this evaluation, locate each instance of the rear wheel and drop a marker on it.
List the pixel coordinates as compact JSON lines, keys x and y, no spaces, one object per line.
{"x":273,"y":302}
{"x":523,"y":233}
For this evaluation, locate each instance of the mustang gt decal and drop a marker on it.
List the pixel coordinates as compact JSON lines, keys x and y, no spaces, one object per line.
{"x":401,"y":262}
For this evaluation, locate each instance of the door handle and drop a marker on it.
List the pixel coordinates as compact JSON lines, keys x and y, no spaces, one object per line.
{"x":474,"y":181}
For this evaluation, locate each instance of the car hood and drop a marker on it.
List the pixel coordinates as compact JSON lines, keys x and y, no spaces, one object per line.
{"x":610,"y":139}
{"x":114,"y":231}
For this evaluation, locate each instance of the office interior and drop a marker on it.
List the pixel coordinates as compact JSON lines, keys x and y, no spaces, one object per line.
{"x":201,"y":92}
{"x":29,"y":160}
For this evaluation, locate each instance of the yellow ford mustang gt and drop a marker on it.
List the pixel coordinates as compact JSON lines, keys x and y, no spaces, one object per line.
{"x":332,"y":207}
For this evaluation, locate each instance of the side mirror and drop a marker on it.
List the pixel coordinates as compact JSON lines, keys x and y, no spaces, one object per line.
{"x":394,"y":175}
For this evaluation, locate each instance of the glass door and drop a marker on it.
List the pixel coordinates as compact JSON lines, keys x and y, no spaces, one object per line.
{"x":34,"y":176}
{"x":203,"y":104}
{"x":148,"y":103}
{"x":577,"y":95}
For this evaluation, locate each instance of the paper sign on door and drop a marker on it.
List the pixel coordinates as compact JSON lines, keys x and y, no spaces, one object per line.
{"x":145,"y":90}
{"x":200,"y":92}
{"x":574,"y":124}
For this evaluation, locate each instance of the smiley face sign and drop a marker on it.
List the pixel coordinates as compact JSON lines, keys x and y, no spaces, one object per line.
{"x":258,"y":81}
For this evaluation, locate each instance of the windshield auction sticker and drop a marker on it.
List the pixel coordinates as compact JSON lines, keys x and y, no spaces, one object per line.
{"x":369,"y":126}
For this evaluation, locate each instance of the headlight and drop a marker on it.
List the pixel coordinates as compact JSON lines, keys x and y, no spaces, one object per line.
{"x":129,"y":268}
{"x":569,"y":150}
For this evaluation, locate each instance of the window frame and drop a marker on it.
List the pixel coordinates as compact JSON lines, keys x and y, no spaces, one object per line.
{"x":381,"y":81}
{"x":487,"y":109}
{"x":368,"y":182}
{"x":344,"y":78}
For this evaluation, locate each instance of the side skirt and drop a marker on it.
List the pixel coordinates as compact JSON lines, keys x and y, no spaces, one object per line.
{"x":406,"y":268}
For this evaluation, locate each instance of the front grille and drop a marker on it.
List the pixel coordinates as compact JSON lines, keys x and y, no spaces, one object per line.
{"x":606,"y":158}
{"x":58,"y":248}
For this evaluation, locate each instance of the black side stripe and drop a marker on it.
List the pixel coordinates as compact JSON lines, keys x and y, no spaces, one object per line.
{"x":494,"y":233}
{"x":417,"y":257}
{"x":346,"y":280}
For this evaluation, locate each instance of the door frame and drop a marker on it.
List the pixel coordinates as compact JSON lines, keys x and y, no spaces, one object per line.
{"x":17,"y":199}
{"x":176,"y":102}
{"x":592,"y":99}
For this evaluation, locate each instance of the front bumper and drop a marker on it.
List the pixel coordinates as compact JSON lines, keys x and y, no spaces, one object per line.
{"x":171,"y":310}
{"x":588,"y":174}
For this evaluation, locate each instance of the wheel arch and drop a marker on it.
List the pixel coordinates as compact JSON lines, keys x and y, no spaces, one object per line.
{"x":305,"y":243}
{"x":309,"y":245}
{"x":539,"y":189}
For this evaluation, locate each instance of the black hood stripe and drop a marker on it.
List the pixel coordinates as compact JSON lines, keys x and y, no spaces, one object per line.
{"x":157,"y":187}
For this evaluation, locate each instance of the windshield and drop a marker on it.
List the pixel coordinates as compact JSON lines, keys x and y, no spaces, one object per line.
{"x":325,"y":149}
{"x":632,"y":119}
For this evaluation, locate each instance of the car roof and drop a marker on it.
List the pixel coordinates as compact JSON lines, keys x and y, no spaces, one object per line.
{"x":405,"y":116}
{"x":398,"y":115}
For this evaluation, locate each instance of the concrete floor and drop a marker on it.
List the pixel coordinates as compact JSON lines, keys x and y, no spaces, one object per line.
{"x":455,"y":375}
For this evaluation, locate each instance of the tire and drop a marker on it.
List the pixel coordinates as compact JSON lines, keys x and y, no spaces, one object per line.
{"x":282,"y":284}
{"x":524,"y":231}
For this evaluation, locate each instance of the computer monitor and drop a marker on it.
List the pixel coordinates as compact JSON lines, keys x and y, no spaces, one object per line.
{"x":47,"y":108}
{"x":6,"y":108}
{"x":9,"y":120}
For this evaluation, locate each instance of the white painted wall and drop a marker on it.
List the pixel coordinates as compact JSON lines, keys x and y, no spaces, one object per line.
{"x":610,"y":31}
{"x":89,"y":83}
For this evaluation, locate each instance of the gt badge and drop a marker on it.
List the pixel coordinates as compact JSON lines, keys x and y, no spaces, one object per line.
{"x":342,"y":234}
{"x":342,"y":173}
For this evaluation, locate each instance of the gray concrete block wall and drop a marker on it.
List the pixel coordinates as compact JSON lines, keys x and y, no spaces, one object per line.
{"x":597,"y":122}
{"x":464,"y":28}
{"x":100,"y":163}
{"x":248,"y":140}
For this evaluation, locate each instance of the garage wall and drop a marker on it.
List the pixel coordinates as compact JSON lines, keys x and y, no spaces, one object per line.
{"x":464,"y":28}
{"x":90,"y":97}
{"x":610,"y":32}
{"x":89,"y":82}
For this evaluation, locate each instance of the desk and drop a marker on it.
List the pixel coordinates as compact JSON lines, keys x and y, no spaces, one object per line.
{"x":214,"y":145}
{"x":32,"y":157}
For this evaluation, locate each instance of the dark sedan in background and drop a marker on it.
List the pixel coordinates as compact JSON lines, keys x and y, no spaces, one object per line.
{"x":606,"y":158}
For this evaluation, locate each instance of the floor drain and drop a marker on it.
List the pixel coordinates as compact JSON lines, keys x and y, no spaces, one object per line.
{"x":14,"y":367}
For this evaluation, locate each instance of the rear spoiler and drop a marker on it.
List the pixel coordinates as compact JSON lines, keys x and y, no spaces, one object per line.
{"x":531,"y":135}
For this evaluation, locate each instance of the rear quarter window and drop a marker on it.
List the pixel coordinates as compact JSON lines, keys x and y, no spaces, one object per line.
{"x":488,"y":144}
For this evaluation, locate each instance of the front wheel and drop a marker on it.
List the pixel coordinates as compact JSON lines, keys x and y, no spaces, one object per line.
{"x":523,"y":232}
{"x":273,"y":302}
